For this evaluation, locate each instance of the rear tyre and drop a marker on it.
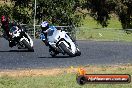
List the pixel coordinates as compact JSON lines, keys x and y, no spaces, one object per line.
{"x":66,"y":49}
{"x":27,"y":45}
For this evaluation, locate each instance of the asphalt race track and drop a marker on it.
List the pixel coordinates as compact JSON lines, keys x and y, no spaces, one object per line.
{"x":93,"y":52}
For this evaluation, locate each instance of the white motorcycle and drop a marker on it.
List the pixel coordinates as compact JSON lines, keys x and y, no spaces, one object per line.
{"x":60,"y":42}
{"x":21,"y":39}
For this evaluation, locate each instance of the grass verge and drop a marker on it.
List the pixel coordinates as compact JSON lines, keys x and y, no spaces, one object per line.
{"x":93,"y":31}
{"x":60,"y":78}
{"x":103,"y":35}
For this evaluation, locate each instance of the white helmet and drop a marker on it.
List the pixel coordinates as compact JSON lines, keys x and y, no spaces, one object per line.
{"x":44,"y":24}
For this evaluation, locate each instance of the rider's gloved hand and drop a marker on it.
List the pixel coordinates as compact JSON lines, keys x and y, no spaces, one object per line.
{"x":42,"y":37}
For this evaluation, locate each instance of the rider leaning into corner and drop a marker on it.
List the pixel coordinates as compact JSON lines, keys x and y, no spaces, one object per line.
{"x":6,"y":26}
{"x":46,"y":30}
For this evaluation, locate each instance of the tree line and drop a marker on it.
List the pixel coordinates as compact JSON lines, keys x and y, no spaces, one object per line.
{"x":69,"y":12}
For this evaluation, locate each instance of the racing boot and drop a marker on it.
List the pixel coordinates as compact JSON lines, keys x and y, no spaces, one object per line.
{"x":11,"y":44}
{"x":52,"y":51}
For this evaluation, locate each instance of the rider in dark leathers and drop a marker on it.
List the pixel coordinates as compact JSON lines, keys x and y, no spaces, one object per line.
{"x":6,"y":26}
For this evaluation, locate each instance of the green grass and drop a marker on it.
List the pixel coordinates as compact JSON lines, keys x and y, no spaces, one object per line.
{"x":93,"y":31}
{"x":103,"y":35}
{"x":65,"y":80}
{"x":62,"y":81}
{"x":92,"y":24}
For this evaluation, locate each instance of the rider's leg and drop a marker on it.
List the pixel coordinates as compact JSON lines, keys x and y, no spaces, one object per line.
{"x":46,"y":42}
{"x":5,"y":36}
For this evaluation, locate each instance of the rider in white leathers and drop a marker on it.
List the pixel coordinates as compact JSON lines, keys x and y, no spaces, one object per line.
{"x":46,"y":31}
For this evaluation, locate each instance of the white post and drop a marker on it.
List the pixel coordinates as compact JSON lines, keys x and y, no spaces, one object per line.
{"x":34,"y":17}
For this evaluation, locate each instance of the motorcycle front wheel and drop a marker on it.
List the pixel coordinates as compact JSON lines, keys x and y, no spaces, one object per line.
{"x":66,"y":49}
{"x":27,"y":45}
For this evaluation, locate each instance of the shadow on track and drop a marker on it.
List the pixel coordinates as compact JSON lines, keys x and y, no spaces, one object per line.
{"x":57,"y":57}
{"x":16,"y":51}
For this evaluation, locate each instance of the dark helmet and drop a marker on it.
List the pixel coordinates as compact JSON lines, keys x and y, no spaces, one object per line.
{"x":4,"y":19}
{"x":44,"y":25}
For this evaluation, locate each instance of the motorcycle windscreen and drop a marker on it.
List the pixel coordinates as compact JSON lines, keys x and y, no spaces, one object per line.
{"x":50,"y":32}
{"x":13,"y":29}
{"x":50,"y":35}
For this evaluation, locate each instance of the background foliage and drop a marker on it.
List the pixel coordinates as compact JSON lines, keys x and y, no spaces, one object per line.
{"x":69,"y":12}
{"x":56,"y":11}
{"x":100,"y":10}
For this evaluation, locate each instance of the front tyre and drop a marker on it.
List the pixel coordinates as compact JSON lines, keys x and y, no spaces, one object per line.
{"x":27,"y":45}
{"x":66,"y":49}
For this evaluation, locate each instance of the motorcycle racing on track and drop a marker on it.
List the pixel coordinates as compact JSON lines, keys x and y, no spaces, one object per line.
{"x":15,"y":34}
{"x":58,"y":41}
{"x":21,"y":39}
